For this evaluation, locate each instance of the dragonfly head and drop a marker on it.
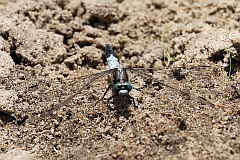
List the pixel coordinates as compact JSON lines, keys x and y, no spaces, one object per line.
{"x":122,"y":88}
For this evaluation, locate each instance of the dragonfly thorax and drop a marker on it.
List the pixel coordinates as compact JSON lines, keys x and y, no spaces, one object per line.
{"x":120,"y":82}
{"x":122,"y":88}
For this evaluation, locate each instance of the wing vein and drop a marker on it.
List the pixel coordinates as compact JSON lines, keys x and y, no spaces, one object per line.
{"x":84,"y":86}
{"x":144,"y":75}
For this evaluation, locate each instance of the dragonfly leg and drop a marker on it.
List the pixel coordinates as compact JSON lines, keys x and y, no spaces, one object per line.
{"x":132,"y":100}
{"x":103,"y":94}
{"x":129,"y":97}
{"x":110,"y":99}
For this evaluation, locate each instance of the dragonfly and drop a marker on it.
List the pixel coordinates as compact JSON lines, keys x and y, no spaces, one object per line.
{"x":118,"y":81}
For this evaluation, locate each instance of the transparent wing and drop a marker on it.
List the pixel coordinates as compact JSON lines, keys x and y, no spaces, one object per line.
{"x":177,"y":72}
{"x":141,"y":73}
{"x":194,"y":76}
{"x":171,"y":68}
{"x":72,"y":81}
{"x":92,"y":78}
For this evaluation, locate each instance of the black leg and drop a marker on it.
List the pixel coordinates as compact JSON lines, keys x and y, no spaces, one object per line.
{"x":103,"y":95}
{"x":132,"y":100}
{"x":129,"y":97}
{"x":110,"y":99}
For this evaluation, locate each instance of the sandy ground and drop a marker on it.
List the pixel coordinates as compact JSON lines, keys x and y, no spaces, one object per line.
{"x":46,"y":45}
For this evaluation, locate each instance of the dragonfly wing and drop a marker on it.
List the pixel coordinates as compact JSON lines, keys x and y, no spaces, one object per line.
{"x":170,"y":68}
{"x":145,"y":75}
{"x":173,"y":71}
{"x":84,"y":86}
{"x":74,"y":80}
{"x":186,"y":95}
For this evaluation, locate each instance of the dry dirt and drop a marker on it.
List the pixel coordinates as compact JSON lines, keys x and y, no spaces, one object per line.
{"x":45,"y":45}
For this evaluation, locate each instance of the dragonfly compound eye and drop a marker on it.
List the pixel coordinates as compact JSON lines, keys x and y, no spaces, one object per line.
{"x":128,"y":86}
{"x":123,"y":88}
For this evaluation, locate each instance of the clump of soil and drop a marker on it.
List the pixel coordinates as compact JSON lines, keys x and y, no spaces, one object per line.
{"x":47,"y":45}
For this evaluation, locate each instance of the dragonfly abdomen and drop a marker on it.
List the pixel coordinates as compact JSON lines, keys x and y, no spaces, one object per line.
{"x":112,"y":59}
